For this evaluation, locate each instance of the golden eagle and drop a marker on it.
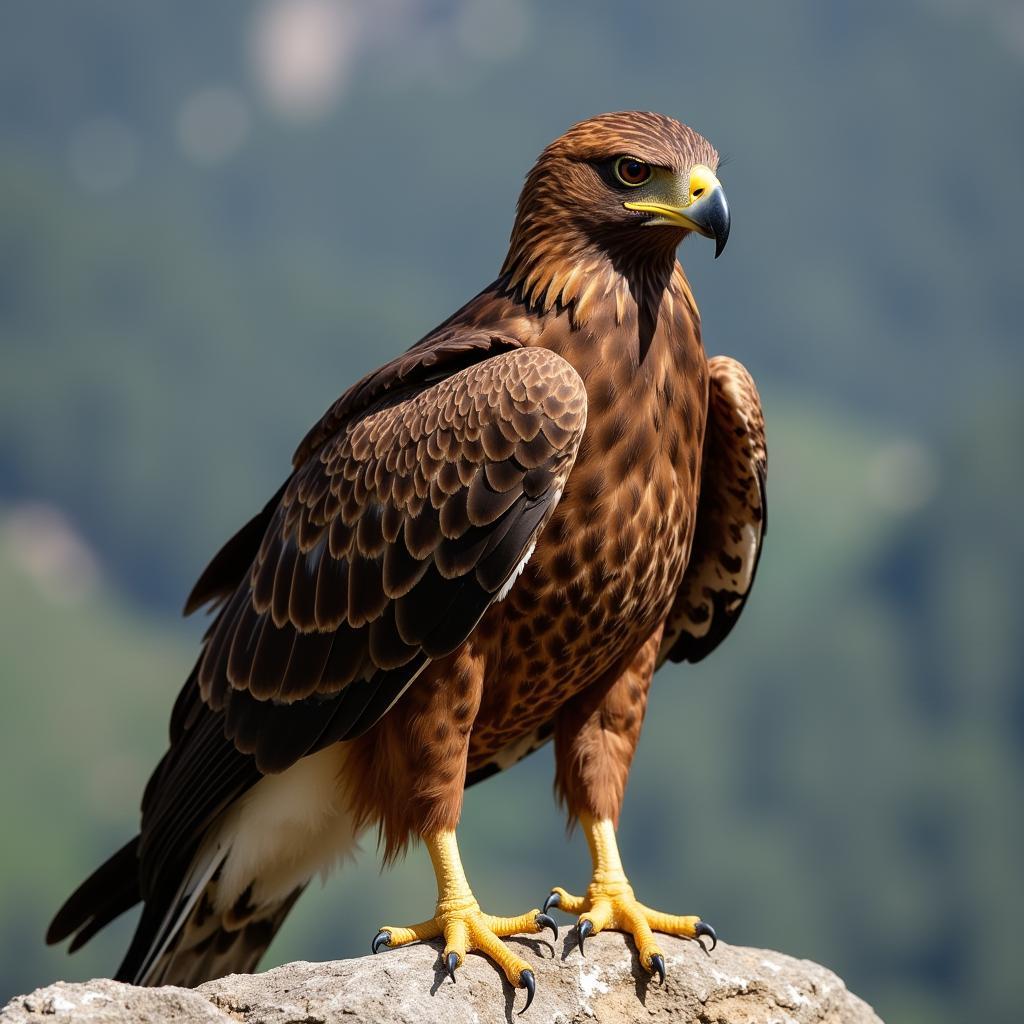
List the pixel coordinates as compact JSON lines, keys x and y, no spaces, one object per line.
{"x":491,"y":542}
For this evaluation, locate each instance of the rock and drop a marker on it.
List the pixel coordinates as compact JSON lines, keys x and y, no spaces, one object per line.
{"x":733,"y":985}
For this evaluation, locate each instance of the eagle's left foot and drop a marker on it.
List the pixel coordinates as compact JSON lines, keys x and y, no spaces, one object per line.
{"x":609,"y":903}
{"x":464,"y":927}
{"x":615,"y":907}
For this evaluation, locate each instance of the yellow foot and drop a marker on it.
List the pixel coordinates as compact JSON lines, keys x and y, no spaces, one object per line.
{"x":466,"y":928}
{"x":610,"y":903}
{"x":614,"y":907}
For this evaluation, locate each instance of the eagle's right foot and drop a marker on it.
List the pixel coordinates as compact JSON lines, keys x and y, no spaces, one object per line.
{"x":464,"y":926}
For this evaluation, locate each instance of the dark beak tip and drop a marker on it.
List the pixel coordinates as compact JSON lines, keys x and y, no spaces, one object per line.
{"x":720,"y":222}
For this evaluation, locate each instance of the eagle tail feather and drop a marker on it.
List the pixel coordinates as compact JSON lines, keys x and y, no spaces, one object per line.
{"x":154,"y":943}
{"x":107,"y":893}
{"x":207,"y":944}
{"x":219,"y":914}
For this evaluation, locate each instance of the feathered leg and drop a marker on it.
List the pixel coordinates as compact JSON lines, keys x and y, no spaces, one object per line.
{"x":595,"y":739}
{"x":409,"y":773}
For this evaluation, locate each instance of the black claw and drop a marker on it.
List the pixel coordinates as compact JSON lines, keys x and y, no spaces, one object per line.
{"x":554,"y":900}
{"x":380,"y":940}
{"x":451,"y":963}
{"x":529,"y":982}
{"x":658,"y":967}
{"x":584,"y":929}
{"x":543,"y":921}
{"x":706,"y":929}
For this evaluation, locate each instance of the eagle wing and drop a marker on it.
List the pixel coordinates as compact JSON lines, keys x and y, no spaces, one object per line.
{"x":411,"y":506}
{"x":731,"y":518}
{"x":398,"y":528}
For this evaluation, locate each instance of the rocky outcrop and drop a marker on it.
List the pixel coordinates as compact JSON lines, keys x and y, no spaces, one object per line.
{"x":732,"y":985}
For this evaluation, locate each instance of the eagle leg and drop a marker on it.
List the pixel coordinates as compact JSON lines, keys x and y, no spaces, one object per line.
{"x":463,"y":925}
{"x":609,"y":903}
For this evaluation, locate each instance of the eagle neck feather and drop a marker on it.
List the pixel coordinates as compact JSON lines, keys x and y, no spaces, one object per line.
{"x":551,"y":267}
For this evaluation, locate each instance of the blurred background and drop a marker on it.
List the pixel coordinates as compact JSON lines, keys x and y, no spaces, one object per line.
{"x":214,"y":217}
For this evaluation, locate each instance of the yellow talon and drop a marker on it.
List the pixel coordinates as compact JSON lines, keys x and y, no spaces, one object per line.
{"x":464,"y":926}
{"x":609,"y":903}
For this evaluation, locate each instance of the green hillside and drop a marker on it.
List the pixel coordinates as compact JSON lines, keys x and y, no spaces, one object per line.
{"x":191,"y":270}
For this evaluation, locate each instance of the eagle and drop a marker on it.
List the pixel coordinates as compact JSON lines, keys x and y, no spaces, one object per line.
{"x":489,"y":543}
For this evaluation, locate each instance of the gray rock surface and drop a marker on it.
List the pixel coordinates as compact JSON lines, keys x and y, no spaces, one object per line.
{"x":733,"y":985}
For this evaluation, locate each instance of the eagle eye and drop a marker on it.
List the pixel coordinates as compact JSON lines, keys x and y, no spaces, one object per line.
{"x":632,"y":172}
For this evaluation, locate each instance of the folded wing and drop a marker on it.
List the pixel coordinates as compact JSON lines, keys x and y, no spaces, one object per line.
{"x":731,"y":518}
{"x":386,"y":547}
{"x":409,"y":508}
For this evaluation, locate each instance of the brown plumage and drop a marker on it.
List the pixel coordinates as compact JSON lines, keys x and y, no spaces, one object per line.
{"x":491,"y":541}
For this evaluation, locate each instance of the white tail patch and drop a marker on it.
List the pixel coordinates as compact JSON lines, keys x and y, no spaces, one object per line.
{"x":286,"y":829}
{"x":275,"y":838}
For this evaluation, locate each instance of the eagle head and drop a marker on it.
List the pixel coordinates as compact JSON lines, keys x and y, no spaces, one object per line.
{"x":629,"y":183}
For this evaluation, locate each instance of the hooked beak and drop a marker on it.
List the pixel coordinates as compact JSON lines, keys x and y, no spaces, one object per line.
{"x":706,"y":210}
